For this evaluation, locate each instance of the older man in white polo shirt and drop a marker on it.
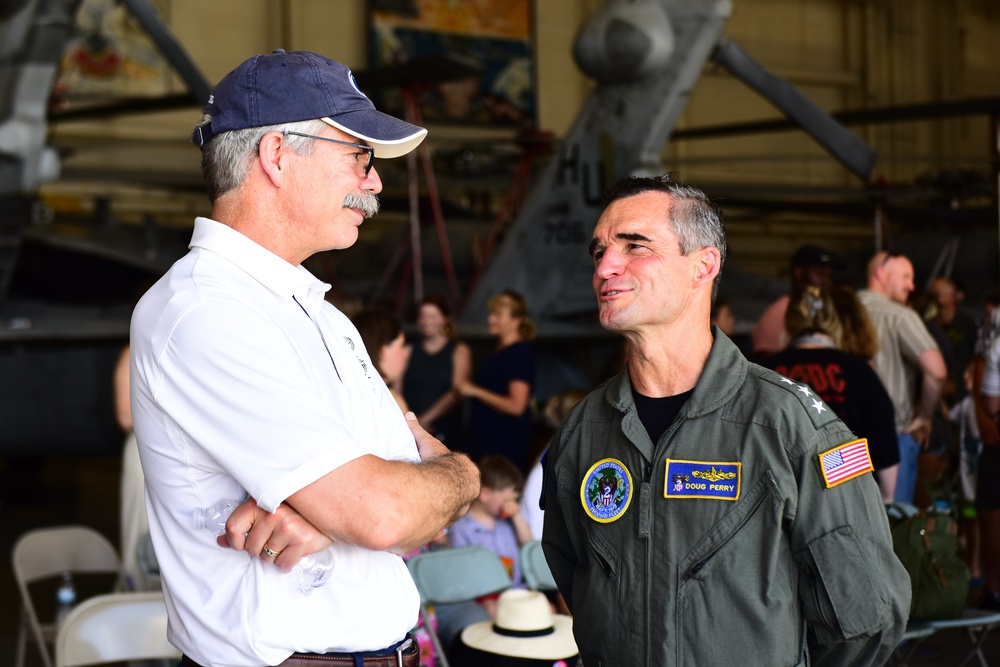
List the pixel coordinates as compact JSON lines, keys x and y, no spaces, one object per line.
{"x":246,"y":383}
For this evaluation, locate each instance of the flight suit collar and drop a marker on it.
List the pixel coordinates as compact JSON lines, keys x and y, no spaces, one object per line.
{"x":723,"y":375}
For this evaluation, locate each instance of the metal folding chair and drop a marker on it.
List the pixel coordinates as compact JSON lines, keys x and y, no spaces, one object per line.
{"x":976,"y":622}
{"x":47,"y":552}
{"x":454,"y":575}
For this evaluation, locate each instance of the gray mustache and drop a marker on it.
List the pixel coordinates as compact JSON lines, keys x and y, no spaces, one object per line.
{"x":362,"y":201}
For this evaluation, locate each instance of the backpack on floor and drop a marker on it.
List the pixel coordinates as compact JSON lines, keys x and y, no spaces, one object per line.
{"x":926,"y":543}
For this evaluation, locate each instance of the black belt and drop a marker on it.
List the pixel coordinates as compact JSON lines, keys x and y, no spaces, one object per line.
{"x":404,"y":654}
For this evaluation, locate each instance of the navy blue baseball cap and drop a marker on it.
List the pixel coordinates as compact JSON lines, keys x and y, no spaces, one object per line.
{"x":814,"y":255}
{"x":285,"y":87}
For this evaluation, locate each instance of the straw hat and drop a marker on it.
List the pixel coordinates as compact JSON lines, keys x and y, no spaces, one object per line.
{"x":525,"y":627}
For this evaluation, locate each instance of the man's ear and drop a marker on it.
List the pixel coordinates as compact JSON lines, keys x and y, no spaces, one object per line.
{"x":707,"y":265}
{"x":273,"y":157}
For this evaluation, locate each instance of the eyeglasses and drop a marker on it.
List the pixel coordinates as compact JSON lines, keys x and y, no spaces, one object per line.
{"x":368,"y":149}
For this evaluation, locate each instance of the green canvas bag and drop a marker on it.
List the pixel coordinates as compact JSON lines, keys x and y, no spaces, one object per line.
{"x":926,"y":543}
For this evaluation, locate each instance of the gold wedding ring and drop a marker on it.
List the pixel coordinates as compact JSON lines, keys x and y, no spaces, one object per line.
{"x":270,"y":552}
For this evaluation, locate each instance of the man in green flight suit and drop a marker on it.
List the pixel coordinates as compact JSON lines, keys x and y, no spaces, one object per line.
{"x":699,"y":509}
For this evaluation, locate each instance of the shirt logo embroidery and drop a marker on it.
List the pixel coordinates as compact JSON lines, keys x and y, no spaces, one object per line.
{"x":711,"y":480}
{"x":606,"y":491}
{"x":845,"y":462}
{"x":362,"y":363}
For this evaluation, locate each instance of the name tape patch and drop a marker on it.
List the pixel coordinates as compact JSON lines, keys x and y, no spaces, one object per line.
{"x":606,"y":490}
{"x":712,"y":480}
{"x":845,"y":462}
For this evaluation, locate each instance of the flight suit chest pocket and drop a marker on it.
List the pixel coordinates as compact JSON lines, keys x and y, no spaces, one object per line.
{"x":597,"y":598}
{"x":737,"y":526}
{"x":740,"y":575}
{"x":604,"y":537}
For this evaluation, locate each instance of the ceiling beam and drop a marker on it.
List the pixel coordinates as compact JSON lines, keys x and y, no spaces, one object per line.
{"x":985,"y":106}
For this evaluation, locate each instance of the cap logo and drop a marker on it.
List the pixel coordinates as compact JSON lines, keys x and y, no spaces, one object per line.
{"x":211,"y":99}
{"x":350,"y":75}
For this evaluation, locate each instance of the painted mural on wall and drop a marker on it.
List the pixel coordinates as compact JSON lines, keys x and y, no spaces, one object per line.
{"x":111,"y":56}
{"x":494,"y":37}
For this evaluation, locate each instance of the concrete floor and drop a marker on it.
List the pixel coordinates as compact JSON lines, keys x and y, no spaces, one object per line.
{"x":62,"y":490}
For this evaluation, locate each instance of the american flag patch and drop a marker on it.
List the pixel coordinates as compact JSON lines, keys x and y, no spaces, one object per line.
{"x":845,"y":462}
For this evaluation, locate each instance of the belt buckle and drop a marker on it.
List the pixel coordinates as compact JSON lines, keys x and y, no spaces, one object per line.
{"x":399,"y":651}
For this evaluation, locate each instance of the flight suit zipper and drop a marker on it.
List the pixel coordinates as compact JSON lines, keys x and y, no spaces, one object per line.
{"x":646,"y":530}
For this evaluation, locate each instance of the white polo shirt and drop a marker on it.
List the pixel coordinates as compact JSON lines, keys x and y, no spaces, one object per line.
{"x":246,"y":381}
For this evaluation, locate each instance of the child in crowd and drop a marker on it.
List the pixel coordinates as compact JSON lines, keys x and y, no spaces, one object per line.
{"x":494,"y":521}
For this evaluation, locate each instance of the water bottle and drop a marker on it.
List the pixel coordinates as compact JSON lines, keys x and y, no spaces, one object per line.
{"x":310,"y":572}
{"x":65,"y":597}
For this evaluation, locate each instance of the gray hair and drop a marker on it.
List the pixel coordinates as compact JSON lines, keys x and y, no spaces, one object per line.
{"x":695,"y":220}
{"x":226,"y":159}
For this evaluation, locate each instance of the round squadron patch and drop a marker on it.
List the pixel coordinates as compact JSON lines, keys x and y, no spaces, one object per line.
{"x":606,"y":490}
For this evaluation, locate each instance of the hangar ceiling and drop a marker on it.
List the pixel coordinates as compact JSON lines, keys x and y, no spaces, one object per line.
{"x":124,"y":179}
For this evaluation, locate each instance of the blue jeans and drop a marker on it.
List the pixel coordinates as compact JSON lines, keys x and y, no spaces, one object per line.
{"x":906,"y":480}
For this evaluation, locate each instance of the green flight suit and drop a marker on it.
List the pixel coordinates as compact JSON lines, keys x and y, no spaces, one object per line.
{"x":722,"y":544}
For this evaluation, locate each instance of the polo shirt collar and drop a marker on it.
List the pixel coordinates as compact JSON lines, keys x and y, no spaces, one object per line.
{"x":261,"y":264}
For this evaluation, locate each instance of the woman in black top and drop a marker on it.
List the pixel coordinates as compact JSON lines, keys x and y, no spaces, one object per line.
{"x":438,"y":363}
{"x":846,"y":382}
{"x":504,"y":383}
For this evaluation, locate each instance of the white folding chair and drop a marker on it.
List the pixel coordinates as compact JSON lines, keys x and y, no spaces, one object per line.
{"x":115,"y":628}
{"x":47,"y":552}
{"x":535,"y":569}
{"x":455,"y":575}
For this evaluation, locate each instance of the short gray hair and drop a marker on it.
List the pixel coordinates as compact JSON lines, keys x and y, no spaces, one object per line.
{"x":695,"y":220}
{"x":226,"y":159}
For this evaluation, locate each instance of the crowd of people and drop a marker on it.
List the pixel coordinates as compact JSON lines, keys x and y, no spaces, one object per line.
{"x":904,"y":370}
{"x":485,"y":409}
{"x":692,"y":496}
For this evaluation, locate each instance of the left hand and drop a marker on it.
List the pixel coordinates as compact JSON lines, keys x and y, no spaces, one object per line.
{"x":920,"y":429}
{"x":285,"y":532}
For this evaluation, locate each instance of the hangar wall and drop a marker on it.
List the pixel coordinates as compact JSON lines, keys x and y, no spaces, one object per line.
{"x":843,"y":54}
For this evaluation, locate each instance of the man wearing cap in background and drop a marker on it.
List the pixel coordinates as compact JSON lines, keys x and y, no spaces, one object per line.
{"x":247,"y":384}
{"x":811,"y":265}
